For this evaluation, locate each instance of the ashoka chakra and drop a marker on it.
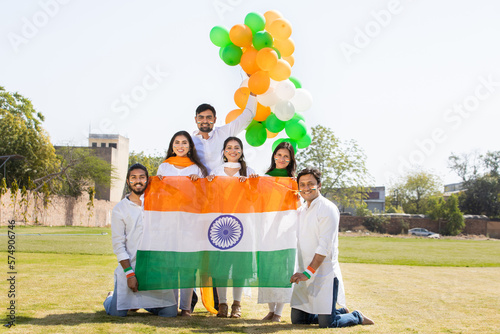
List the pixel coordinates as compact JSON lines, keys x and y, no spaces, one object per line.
{"x":225,"y":232}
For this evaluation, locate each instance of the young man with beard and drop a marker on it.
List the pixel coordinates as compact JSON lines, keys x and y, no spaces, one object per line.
{"x":319,"y":284}
{"x":209,"y":139}
{"x":126,"y":230}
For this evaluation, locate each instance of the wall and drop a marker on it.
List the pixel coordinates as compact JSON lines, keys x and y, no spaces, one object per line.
{"x":61,"y":211}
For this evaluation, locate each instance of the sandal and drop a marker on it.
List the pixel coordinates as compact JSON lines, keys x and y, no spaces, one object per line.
{"x":222,"y":310}
{"x":235,"y":311}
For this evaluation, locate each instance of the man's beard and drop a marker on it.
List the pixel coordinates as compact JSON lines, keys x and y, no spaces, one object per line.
{"x":206,"y":128}
{"x":139,"y":193}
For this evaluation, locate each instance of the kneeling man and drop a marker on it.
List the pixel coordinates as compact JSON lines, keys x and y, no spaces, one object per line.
{"x":319,"y":281}
{"x":126,"y":230}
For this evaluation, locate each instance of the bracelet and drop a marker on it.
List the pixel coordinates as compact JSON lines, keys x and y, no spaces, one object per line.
{"x":309,"y":272}
{"x":129,"y":272}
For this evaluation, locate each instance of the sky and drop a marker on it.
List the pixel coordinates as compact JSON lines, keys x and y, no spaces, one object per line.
{"x":411,"y":81}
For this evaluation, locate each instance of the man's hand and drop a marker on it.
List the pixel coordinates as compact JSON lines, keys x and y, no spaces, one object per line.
{"x":298,"y":277}
{"x":132,"y":283}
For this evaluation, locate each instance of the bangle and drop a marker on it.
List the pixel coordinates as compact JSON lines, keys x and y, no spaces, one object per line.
{"x":129,"y":272}
{"x":309,"y":272}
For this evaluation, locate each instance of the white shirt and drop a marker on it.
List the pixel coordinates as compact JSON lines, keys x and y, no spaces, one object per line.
{"x":210,"y":150}
{"x":167,"y":169}
{"x":126,"y":235}
{"x":219,"y":171}
{"x":317,"y":233}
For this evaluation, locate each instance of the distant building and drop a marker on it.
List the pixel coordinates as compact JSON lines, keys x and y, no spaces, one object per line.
{"x":453,"y":188}
{"x":375,"y":201}
{"x":113,"y":149}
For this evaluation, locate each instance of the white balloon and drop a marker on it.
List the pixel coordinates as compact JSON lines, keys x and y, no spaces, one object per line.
{"x":302,"y":100}
{"x":244,"y":83}
{"x":285,"y":90}
{"x":269,"y":98}
{"x":284,"y":110}
{"x":273,"y":83}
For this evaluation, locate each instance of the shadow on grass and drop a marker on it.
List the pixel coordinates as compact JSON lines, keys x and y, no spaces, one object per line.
{"x":198,"y":323}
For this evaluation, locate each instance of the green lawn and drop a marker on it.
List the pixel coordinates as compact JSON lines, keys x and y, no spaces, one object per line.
{"x":407,"y":285}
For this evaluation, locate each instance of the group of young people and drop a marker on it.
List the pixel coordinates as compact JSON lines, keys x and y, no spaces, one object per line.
{"x":216,"y":151}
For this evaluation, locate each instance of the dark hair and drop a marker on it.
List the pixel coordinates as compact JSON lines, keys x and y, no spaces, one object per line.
{"x":203,"y":107}
{"x":137,"y":166}
{"x":241,"y":160}
{"x":292,"y":165}
{"x":310,"y":170}
{"x":192,"y":154}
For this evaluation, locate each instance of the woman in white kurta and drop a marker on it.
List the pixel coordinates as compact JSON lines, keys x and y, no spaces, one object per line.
{"x":182,"y":160}
{"x":234,"y":165}
{"x":282,"y":165}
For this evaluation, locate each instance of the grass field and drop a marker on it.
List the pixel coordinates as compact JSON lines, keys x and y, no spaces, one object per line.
{"x":407,"y":285}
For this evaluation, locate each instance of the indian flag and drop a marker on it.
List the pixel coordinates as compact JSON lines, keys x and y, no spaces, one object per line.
{"x":221,"y":233}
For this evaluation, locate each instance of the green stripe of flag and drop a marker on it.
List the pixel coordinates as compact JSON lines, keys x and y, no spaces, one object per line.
{"x":156,"y":270}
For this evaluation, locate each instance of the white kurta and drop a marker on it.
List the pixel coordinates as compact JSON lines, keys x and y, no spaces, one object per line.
{"x":219,"y":171}
{"x":126,"y":231}
{"x":210,"y":150}
{"x":317,"y":233}
{"x":167,"y":169}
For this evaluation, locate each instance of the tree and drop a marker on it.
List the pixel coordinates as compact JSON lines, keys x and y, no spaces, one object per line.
{"x":342,"y":165}
{"x":481,"y":181}
{"x":79,"y":169}
{"x":414,"y":190}
{"x":446,"y":211}
{"x":22,"y":134}
{"x":151,"y":162}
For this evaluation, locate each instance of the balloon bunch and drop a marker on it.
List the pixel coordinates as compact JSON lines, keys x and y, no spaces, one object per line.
{"x":264,"y":50}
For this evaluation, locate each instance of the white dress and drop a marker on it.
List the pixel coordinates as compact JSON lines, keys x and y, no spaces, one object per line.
{"x":167,"y":169}
{"x":317,"y":233}
{"x":126,"y":235}
{"x":219,"y":171}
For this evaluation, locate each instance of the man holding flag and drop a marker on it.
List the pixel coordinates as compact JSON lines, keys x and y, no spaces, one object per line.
{"x":319,"y":285}
{"x":127,"y":230}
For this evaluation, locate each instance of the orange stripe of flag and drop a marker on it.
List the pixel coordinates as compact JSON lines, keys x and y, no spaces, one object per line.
{"x":223,"y":195}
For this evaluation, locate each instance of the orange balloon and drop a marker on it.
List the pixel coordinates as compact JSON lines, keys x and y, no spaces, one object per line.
{"x":280,"y":29}
{"x":233,"y":114}
{"x":271,"y":134}
{"x":281,"y":71}
{"x":248,"y":61}
{"x":290,"y":60}
{"x":266,"y":58}
{"x":285,"y":46}
{"x":259,"y":82}
{"x":241,"y":35}
{"x":241,"y":96}
{"x":270,"y":16}
{"x":262,"y":113}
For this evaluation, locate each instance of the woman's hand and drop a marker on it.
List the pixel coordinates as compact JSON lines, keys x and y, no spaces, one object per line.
{"x":242,"y":178}
{"x":160,"y":177}
{"x":210,"y":177}
{"x":194,"y":177}
{"x":253,"y":175}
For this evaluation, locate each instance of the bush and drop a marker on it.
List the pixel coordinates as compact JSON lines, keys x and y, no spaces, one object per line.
{"x":404,"y":225}
{"x":376,"y":223}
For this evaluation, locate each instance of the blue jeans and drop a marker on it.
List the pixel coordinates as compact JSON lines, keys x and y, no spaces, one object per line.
{"x":338,"y":317}
{"x":110,"y":304}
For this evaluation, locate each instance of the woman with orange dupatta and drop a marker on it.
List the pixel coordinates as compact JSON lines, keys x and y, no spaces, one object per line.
{"x":182,"y":160}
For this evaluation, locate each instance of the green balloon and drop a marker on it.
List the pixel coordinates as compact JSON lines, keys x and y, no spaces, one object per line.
{"x":251,"y":124}
{"x":304,"y":141}
{"x":220,"y":53}
{"x":262,"y":39}
{"x":219,"y":36}
{"x":274,"y":124}
{"x":256,"y":135}
{"x":296,"y":82}
{"x":231,"y":54}
{"x":297,"y":117}
{"x":277,"y":142}
{"x":296,"y":130}
{"x":255,"y":21}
